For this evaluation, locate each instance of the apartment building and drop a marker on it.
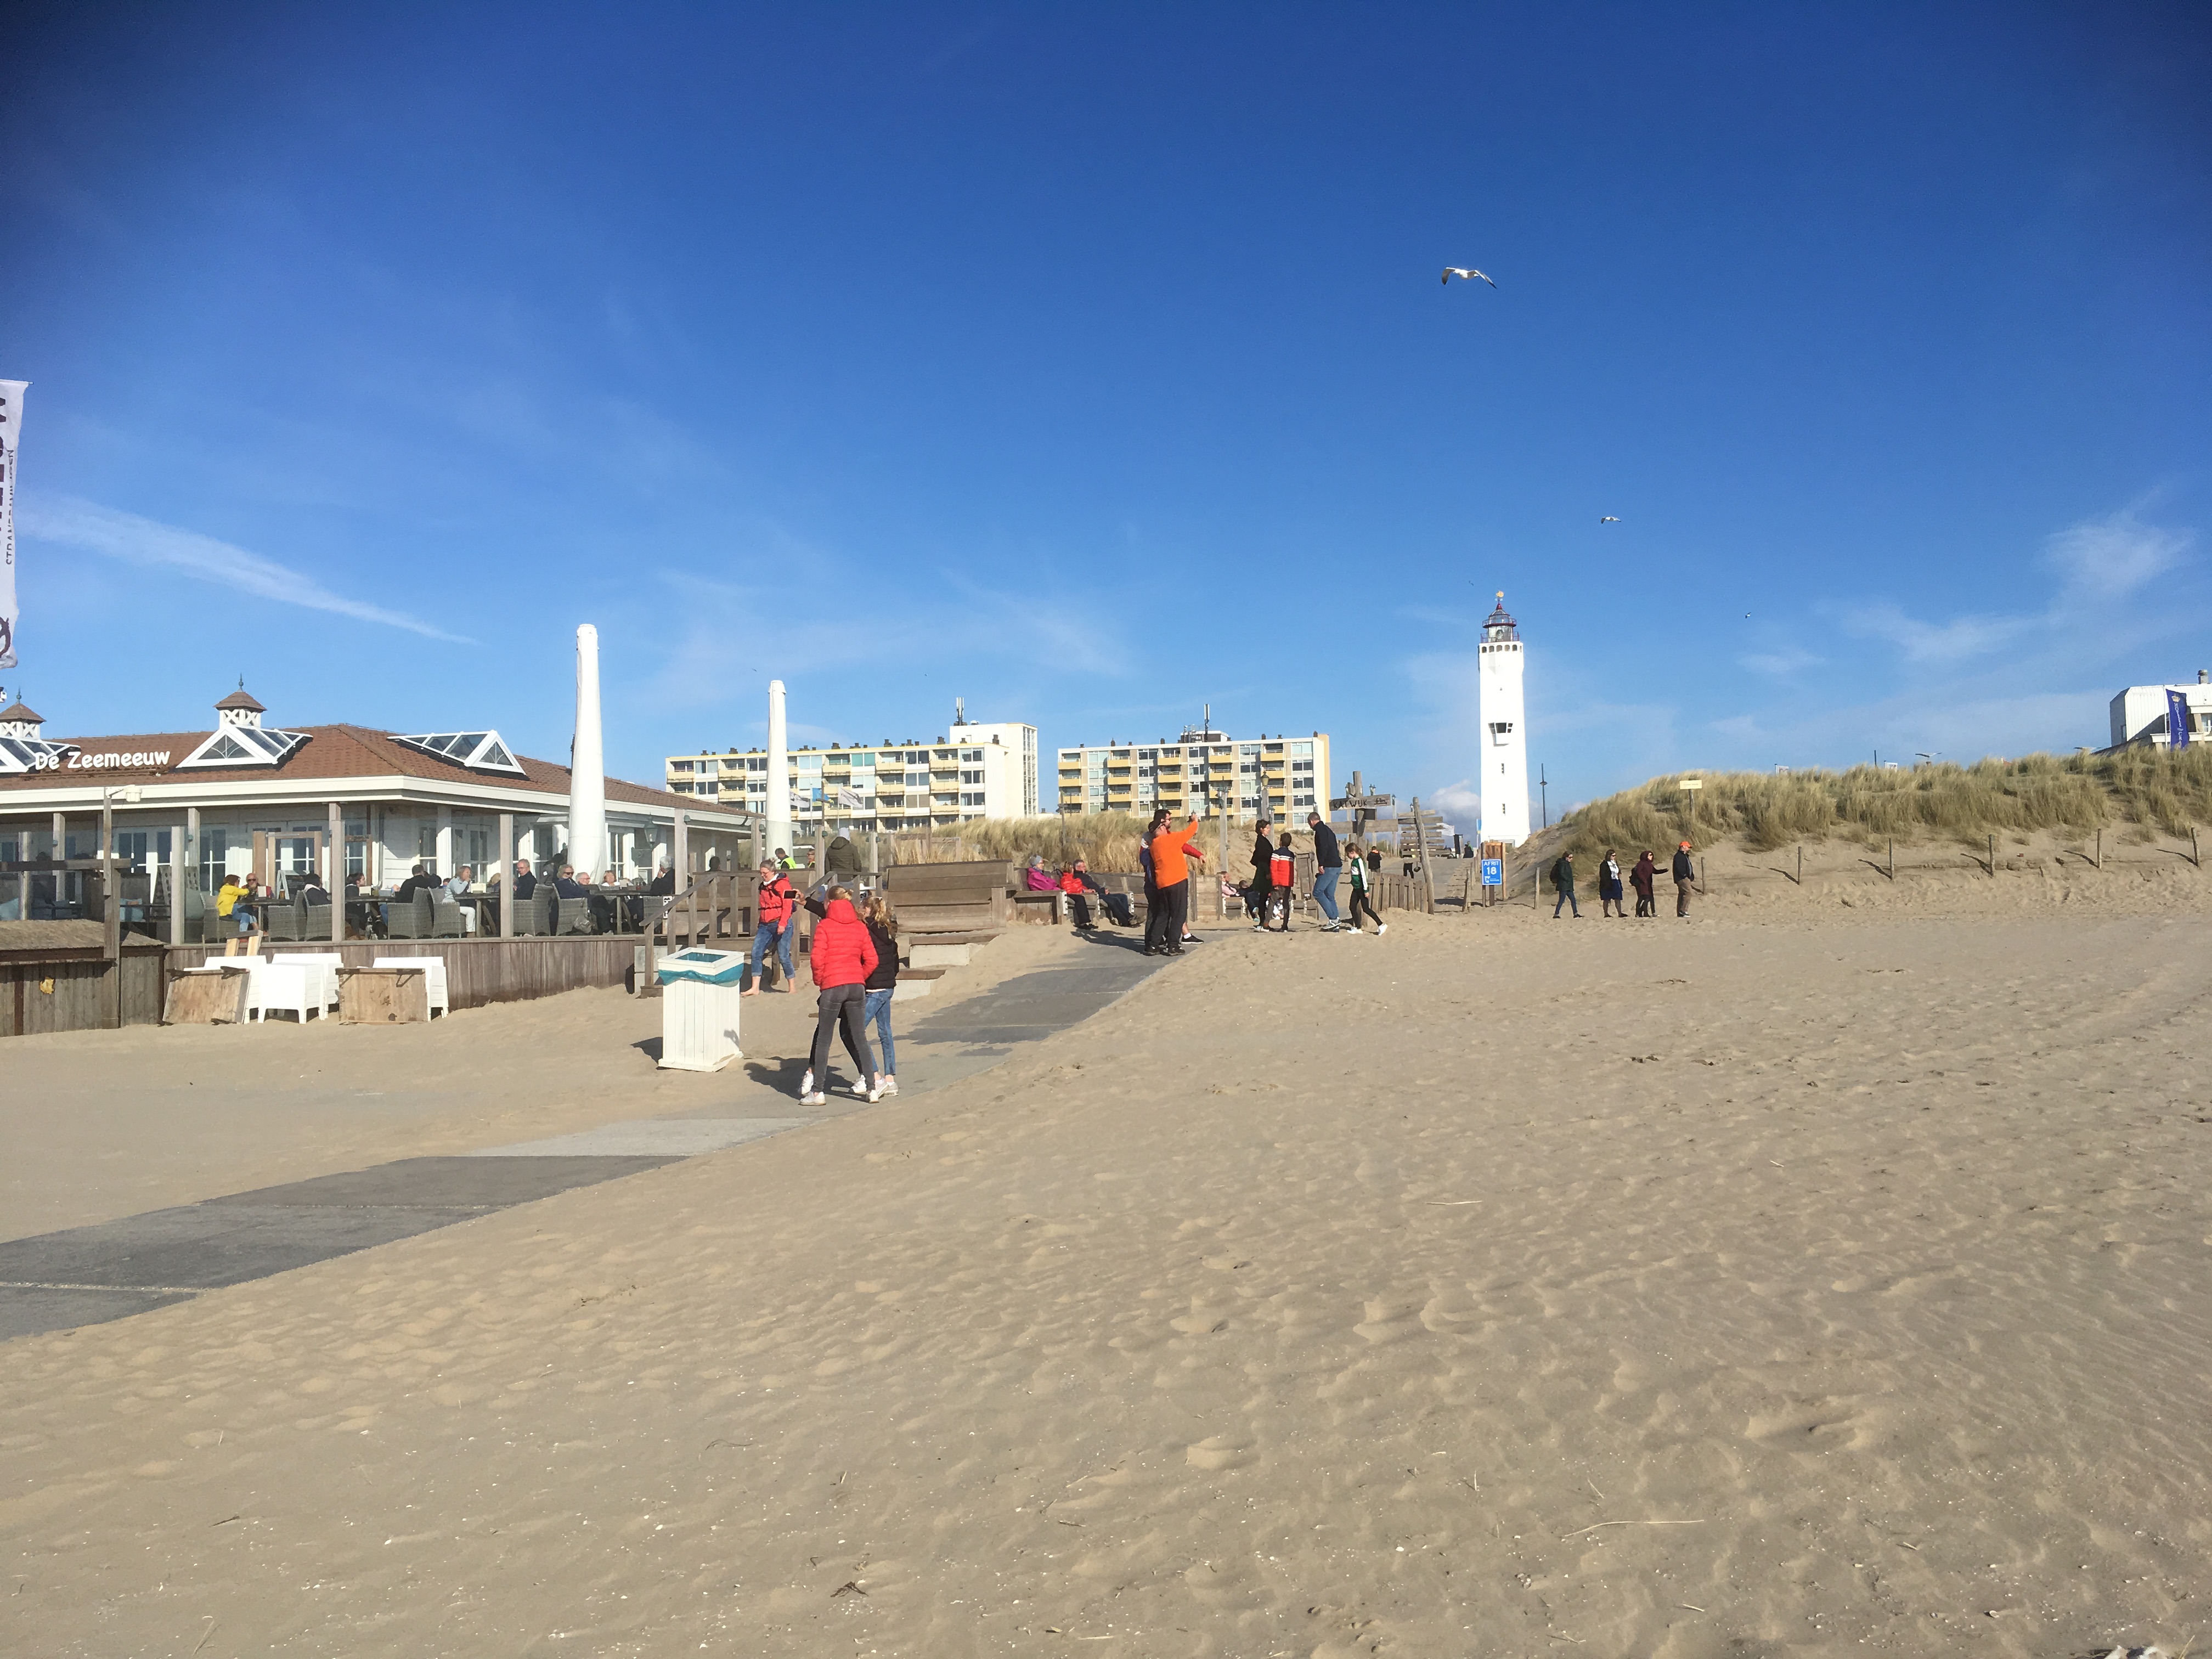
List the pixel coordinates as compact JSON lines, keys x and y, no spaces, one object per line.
{"x":974,"y":770}
{"x":1285,"y":777}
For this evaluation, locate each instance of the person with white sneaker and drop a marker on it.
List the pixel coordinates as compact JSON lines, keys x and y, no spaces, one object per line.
{"x":841,"y":958}
{"x":1361,"y":899}
{"x":1328,"y":864}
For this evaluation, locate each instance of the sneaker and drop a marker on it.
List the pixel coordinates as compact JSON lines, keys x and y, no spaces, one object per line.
{"x":1381,"y":928}
{"x":862,"y":1092}
{"x":806,"y":1082}
{"x":814,"y":1100}
{"x":887,"y":1085}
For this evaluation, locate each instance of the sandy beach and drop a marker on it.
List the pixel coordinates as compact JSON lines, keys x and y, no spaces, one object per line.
{"x":1809,"y":1278}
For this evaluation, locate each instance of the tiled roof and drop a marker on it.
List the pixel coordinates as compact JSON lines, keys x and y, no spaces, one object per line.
{"x":333,"y":752}
{"x":242,"y":698}
{"x":17,"y":711}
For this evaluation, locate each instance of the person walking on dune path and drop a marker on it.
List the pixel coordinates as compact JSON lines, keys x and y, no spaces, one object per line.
{"x":1685,"y":872}
{"x":1563,"y":878}
{"x":1642,"y":878}
{"x":1328,"y":864}
{"x":1608,"y":886}
{"x":1174,"y":851}
{"x":1263,"y":877}
{"x":1361,"y":899}
{"x":1284,"y":874}
{"x":842,"y":956}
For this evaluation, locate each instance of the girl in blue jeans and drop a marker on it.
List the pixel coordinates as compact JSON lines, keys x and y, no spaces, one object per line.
{"x":875,"y":1010}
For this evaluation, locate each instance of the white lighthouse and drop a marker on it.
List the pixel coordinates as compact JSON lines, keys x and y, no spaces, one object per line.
{"x":1502,"y":778}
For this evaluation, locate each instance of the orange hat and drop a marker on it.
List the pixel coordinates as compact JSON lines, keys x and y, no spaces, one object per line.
{"x":1684,"y":846}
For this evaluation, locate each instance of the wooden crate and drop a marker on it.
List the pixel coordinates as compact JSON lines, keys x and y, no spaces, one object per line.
{"x":383,"y":996}
{"x":206,"y":998}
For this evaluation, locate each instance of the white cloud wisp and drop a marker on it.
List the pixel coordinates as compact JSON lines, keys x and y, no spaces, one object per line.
{"x":75,"y":523}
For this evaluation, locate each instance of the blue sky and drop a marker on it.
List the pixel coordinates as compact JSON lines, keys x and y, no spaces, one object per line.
{"x":1093,"y":364}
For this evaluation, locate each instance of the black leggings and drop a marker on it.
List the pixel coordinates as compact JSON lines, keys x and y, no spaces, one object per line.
{"x":841,"y":1004}
{"x":1361,"y":901}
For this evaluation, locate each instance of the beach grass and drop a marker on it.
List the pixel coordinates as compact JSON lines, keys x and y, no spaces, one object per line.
{"x":1107,"y":839}
{"x":2150,"y":790}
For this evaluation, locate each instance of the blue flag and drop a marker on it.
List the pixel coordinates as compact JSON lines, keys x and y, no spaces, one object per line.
{"x":2177,"y":719}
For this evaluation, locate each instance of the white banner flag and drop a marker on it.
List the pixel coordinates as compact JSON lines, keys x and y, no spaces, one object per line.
{"x":11,"y":429}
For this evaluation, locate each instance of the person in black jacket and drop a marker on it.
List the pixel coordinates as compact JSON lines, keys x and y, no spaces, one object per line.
{"x":524,"y":882}
{"x":1328,"y":864}
{"x":1563,"y":878}
{"x":1685,"y":872}
{"x":1263,"y":877}
{"x":662,"y":884}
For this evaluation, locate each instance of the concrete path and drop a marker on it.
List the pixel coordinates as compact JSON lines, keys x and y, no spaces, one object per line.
{"x":88,"y":1275}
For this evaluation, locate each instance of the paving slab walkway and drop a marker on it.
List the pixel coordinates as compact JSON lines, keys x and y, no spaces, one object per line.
{"x":88,"y":1275}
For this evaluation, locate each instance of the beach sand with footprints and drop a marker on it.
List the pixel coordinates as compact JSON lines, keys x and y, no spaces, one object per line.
{"x":1805,"y":1278}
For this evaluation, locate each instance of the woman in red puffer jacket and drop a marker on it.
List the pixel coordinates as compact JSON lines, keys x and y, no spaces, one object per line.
{"x":842,"y":957}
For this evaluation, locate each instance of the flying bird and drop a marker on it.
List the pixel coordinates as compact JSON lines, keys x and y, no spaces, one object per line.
{"x":1468,"y":271}
{"x":1608,"y":519}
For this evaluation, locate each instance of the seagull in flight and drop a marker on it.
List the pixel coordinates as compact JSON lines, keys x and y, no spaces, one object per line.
{"x":1608,"y":519}
{"x":1468,"y":272}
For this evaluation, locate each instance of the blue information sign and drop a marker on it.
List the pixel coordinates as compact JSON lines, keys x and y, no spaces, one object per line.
{"x":1493,"y":872}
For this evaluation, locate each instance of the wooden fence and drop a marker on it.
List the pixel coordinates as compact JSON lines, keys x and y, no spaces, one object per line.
{"x":76,"y":990}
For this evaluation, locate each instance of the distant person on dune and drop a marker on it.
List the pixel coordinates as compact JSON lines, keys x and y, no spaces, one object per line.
{"x":1642,"y":878}
{"x":1608,"y":886}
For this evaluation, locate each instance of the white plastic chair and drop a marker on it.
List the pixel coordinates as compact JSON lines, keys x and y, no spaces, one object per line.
{"x":323,"y":975}
{"x":282,"y":986}
{"x":434,"y":975}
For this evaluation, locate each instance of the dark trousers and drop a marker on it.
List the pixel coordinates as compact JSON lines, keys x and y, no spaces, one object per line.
{"x":841,"y":1005}
{"x":1361,"y":901}
{"x":1255,"y":900}
{"x":1082,"y":903}
{"x":1164,"y":921}
{"x":1644,"y":907}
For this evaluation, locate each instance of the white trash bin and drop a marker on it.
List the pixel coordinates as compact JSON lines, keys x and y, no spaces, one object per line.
{"x":699,"y":993}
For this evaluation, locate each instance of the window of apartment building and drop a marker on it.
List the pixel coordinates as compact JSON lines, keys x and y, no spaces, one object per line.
{"x":972,"y":755}
{"x":945,"y":754}
{"x":1148,"y":753}
{"x":757,"y":762}
{"x":976,"y":776}
{"x":680,"y":768}
{"x":971,"y":798}
{"x":917,"y":777}
{"x":1302,"y":766}
{"x":1302,"y":748}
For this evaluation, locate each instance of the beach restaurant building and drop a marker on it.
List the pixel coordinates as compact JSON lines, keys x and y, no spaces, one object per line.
{"x":248,"y":798}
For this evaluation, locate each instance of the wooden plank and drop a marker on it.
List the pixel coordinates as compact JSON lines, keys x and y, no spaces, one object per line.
{"x":206,"y":998}
{"x":383,"y":996}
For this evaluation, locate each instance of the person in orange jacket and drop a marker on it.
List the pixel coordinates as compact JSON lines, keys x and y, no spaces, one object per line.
{"x":1174,"y":851}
